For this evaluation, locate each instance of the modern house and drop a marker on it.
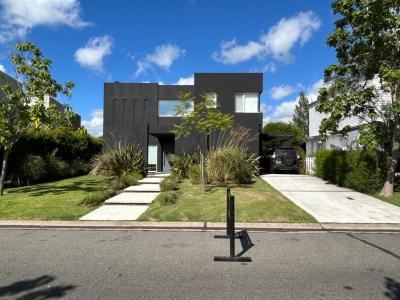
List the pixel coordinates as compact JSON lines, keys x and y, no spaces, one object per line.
{"x":143,"y":113}
{"x":48,"y":100}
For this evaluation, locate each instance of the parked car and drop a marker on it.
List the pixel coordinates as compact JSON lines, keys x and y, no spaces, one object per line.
{"x":282,"y":159}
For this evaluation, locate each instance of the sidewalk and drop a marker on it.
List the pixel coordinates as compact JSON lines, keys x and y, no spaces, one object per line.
{"x":198,"y":226}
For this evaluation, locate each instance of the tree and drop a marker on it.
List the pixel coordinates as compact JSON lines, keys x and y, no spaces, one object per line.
{"x":23,"y":106}
{"x":202,"y":118}
{"x":367,"y":42}
{"x":301,"y":114}
{"x":282,"y":134}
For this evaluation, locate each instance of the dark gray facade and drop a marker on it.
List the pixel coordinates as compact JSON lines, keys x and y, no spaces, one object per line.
{"x":131,"y":112}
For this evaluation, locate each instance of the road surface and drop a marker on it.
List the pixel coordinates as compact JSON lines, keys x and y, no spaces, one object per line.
{"x":101,"y":264}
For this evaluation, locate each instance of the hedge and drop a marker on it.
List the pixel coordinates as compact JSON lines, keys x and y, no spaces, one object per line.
{"x":61,"y":152}
{"x":363,"y":171}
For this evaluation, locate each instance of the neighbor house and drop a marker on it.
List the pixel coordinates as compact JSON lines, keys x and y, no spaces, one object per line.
{"x":337,"y":141}
{"x":48,"y":100}
{"x":143,"y":113}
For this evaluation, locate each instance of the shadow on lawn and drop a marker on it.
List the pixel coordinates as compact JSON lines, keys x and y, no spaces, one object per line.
{"x":84,"y":185}
{"x":42,"y":287}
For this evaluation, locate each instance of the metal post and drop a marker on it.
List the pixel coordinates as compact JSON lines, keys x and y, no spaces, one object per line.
{"x":228,"y":196}
{"x":232,"y":225}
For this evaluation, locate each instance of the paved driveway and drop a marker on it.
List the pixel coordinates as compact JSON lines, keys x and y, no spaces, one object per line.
{"x":329,"y":203}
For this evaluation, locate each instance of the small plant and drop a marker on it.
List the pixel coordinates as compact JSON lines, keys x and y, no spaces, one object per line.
{"x":95,"y":199}
{"x":168,"y":197}
{"x":30,"y":169}
{"x":181,"y":164}
{"x":57,"y":168}
{"x":131,"y":178}
{"x":169,"y":183}
{"x":195,"y":174}
{"x":119,"y":161}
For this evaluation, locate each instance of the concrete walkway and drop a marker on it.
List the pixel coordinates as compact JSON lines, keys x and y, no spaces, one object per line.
{"x":131,"y":203}
{"x":328,"y":203}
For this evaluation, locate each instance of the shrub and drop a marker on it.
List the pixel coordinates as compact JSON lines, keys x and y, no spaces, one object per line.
{"x":101,"y":164}
{"x":231,"y":164}
{"x":119,"y":161}
{"x":195,"y":174}
{"x":28,"y":170}
{"x":229,"y":159}
{"x":79,"y":167}
{"x":169,"y":183}
{"x":363,"y":171}
{"x":95,"y":199}
{"x":168,"y":197}
{"x":57,"y":168}
{"x":181,"y":164}
{"x":131,"y":178}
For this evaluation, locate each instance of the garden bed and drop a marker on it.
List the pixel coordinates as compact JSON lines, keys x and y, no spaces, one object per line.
{"x":256,"y":202}
{"x":59,"y":200}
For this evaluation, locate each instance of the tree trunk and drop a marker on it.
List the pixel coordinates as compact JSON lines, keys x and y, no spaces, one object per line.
{"x":3,"y":170}
{"x":388,"y":187}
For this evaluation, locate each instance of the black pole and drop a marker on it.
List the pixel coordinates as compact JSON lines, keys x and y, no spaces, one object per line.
{"x":228,"y":195}
{"x":232,"y":225}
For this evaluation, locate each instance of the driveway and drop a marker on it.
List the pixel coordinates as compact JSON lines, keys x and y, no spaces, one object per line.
{"x":328,"y":203}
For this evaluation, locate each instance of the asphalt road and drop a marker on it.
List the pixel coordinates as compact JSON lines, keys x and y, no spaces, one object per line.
{"x":78,"y":264}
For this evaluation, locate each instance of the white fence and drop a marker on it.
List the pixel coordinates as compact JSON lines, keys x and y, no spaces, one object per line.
{"x":310,"y":165}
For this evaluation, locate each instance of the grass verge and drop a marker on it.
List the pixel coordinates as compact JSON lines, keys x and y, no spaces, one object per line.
{"x":59,"y":200}
{"x":256,"y":202}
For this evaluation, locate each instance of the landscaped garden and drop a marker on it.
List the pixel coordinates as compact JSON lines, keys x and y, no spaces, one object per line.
{"x":255,"y":202}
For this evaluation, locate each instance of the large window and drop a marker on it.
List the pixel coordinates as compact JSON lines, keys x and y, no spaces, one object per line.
{"x":166,"y":108}
{"x":246,"y":102}
{"x":212,"y":100}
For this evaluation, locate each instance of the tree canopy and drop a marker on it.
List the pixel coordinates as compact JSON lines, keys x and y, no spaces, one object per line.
{"x":301,"y":114}
{"x":23,"y":106}
{"x":366,"y":38}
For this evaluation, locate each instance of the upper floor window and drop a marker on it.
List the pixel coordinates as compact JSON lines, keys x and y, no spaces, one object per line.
{"x":212,"y":99}
{"x":246,"y":102}
{"x":166,"y":108}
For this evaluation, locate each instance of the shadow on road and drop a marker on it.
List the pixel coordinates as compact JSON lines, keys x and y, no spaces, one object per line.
{"x":37,"y":288}
{"x":393,"y":289}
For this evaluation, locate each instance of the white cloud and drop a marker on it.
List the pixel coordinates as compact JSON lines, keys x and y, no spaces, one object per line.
{"x":2,"y":68}
{"x":18,"y":17}
{"x":279,"y":92}
{"x":185,"y":80}
{"x":281,"y":37}
{"x":283,"y":112}
{"x":313,"y":91}
{"x":95,"y":125}
{"x":92,"y":55}
{"x":163,"y":57}
{"x":277,"y":42}
{"x":232,"y":53}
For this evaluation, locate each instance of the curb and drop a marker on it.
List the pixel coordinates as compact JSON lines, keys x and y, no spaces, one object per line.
{"x":198,"y":226}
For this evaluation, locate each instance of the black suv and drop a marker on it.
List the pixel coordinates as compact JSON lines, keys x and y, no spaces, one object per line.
{"x":282,"y":159}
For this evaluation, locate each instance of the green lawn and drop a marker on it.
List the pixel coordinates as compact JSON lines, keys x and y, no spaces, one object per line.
{"x":394,"y":199}
{"x":257,"y":202}
{"x":57,"y":200}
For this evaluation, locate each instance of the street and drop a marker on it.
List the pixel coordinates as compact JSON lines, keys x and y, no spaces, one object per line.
{"x":107,"y":264}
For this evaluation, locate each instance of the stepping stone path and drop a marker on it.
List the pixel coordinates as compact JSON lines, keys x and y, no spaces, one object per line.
{"x":131,"y":203}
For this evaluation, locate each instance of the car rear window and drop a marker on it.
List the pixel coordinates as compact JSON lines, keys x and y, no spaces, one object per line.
{"x":288,"y":152}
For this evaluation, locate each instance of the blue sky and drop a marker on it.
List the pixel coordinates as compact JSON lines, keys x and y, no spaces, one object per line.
{"x":92,"y":42}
